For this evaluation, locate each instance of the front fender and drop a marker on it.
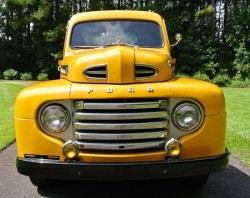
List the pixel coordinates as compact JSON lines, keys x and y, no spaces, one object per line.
{"x":29,"y":99}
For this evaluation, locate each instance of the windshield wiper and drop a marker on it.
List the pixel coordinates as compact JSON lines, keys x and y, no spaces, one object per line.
{"x":120,"y":44}
{"x":87,"y":47}
{"x":108,"y":45}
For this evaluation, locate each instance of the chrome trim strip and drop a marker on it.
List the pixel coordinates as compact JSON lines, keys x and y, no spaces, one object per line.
{"x":120,"y":126}
{"x":128,"y":105}
{"x":96,"y":72}
{"x":120,"y":146}
{"x":144,"y":72}
{"x":120,"y":116}
{"x":41,"y":161}
{"x":120,"y":136}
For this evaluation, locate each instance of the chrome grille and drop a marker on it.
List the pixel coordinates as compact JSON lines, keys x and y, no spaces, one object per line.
{"x":96,"y":72}
{"x":145,"y":71}
{"x":122,"y":124}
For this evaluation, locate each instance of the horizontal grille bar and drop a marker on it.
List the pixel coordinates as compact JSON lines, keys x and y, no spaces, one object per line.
{"x":125,"y":105}
{"x":120,"y":116}
{"x":96,"y":72}
{"x":145,"y":72}
{"x":120,"y":136}
{"x":120,"y":146}
{"x":120,"y":126}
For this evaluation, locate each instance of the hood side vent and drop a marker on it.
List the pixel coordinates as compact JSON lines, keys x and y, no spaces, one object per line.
{"x":96,"y":72}
{"x":145,"y":71}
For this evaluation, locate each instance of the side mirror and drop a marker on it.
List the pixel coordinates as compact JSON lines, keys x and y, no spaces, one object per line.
{"x":178,"y":38}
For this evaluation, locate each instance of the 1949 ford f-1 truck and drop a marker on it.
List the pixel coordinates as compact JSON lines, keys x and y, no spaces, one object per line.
{"x":118,"y":112}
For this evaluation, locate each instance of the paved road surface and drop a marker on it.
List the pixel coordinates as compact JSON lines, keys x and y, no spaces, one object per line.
{"x":234,"y":182}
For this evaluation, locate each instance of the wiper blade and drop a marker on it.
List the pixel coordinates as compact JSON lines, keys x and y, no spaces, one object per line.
{"x":87,"y":47}
{"x":120,"y":44}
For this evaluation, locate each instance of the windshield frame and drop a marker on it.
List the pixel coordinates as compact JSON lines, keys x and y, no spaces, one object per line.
{"x":131,"y":21}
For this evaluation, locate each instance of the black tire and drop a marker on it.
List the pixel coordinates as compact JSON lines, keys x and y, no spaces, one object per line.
{"x":39,"y":182}
{"x":196,"y":181}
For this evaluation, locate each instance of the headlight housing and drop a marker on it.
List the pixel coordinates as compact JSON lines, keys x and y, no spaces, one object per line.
{"x":187,"y":116}
{"x":54,"y":118}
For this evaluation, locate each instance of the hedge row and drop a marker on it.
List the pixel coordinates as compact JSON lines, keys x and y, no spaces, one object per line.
{"x":11,"y":74}
{"x":222,"y":80}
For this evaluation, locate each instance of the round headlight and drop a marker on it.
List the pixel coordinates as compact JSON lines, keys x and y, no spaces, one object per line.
{"x":187,"y":116}
{"x":54,"y":119}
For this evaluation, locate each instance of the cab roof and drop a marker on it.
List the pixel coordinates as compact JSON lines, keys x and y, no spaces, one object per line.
{"x":115,"y":14}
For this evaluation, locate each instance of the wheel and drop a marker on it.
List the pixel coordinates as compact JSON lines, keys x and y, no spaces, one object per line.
{"x":40,"y":182}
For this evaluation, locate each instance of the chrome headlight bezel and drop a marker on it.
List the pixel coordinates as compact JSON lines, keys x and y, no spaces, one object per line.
{"x":55,"y":110}
{"x":194,"y":117}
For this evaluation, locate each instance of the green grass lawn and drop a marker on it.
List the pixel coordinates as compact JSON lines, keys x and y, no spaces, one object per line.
{"x":8,"y":94}
{"x":238,"y":122}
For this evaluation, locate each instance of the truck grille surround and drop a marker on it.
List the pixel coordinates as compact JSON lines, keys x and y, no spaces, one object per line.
{"x":121,"y":124}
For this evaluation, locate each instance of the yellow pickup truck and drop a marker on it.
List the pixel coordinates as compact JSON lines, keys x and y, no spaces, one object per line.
{"x":118,"y":112}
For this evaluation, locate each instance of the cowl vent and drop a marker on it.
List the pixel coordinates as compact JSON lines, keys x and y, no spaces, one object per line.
{"x":145,"y":71}
{"x":96,"y":72}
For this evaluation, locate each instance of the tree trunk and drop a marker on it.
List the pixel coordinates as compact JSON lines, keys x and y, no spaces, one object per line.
{"x":73,"y":7}
{"x":213,"y":28}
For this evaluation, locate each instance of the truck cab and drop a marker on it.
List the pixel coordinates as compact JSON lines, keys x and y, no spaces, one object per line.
{"x":118,"y":112}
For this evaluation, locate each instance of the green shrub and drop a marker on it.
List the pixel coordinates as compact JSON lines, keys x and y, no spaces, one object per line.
{"x":240,"y":83}
{"x":210,"y":68}
{"x":238,"y":76}
{"x":26,"y":76}
{"x":201,"y":76}
{"x":10,"y":74}
{"x":42,"y":77}
{"x":182,"y":75}
{"x":242,"y":60}
{"x":222,"y":80}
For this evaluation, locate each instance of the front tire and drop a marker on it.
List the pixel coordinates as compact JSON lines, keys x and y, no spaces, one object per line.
{"x":39,"y":182}
{"x":196,"y":181}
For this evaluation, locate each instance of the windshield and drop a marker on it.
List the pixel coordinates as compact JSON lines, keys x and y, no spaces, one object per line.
{"x":106,"y":33}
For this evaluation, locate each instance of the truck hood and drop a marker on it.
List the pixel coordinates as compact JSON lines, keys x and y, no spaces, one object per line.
{"x":117,"y":65}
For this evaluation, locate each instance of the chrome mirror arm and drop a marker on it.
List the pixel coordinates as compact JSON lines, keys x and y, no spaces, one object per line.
{"x":178,"y":38}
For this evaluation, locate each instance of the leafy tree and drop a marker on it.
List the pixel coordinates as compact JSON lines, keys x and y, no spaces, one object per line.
{"x":216,"y":33}
{"x":241,"y":62}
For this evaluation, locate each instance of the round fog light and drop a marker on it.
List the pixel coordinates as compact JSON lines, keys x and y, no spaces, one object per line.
{"x":173,"y":148}
{"x":70,"y":150}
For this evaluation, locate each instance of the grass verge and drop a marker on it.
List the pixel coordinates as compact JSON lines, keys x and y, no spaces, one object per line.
{"x":8,"y":94}
{"x":238,"y":124}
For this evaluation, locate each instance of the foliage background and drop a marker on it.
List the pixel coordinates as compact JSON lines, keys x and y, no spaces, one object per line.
{"x":216,"y":33}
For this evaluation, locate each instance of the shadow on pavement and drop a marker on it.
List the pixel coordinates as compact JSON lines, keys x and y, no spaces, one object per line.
{"x":230,"y":183}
